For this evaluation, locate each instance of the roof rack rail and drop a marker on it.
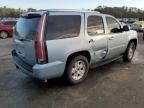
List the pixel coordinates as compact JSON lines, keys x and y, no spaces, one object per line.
{"x":73,"y":10}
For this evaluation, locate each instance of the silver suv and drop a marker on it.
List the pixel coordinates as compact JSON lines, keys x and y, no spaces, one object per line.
{"x":56,"y":43}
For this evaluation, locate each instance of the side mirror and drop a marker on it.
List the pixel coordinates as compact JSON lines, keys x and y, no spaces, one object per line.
{"x":126,"y":28}
{"x":115,"y":30}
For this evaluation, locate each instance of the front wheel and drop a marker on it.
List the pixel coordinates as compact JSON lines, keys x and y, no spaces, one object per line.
{"x":77,"y":70}
{"x":128,"y":56}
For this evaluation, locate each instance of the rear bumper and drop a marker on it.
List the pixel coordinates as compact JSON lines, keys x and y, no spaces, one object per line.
{"x":43,"y":72}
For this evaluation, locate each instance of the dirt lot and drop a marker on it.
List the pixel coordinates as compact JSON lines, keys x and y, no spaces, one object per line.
{"x":115,"y":85}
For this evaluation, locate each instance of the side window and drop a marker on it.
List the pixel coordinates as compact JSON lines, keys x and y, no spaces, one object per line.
{"x":95,"y":25}
{"x":63,"y":26}
{"x":10,"y":23}
{"x":6,"y":23}
{"x":113,"y":25}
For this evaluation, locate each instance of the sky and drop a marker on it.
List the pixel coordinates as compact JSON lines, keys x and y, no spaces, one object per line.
{"x":70,"y":4}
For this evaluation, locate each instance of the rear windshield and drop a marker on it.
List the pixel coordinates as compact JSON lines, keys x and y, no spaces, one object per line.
{"x":26,"y":28}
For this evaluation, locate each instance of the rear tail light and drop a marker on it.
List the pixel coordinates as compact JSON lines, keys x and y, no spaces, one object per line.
{"x":41,"y":50}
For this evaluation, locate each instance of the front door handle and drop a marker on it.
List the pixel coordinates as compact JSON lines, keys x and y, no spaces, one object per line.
{"x":91,"y":41}
{"x":111,"y":38}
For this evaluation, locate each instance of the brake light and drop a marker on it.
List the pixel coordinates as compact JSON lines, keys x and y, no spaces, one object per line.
{"x":41,"y":50}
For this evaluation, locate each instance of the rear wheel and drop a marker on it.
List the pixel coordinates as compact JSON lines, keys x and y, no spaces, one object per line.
{"x":77,"y":70}
{"x":128,"y":56}
{"x":3,"y":34}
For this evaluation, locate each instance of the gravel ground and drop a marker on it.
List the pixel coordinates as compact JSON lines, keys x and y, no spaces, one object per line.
{"x":115,"y":85}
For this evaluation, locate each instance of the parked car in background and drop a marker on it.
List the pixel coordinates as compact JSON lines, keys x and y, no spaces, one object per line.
{"x":123,"y":23}
{"x":6,"y":28}
{"x":137,"y":26}
{"x":56,"y":43}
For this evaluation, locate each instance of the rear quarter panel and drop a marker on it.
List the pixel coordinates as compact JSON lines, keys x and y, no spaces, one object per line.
{"x":60,"y":49}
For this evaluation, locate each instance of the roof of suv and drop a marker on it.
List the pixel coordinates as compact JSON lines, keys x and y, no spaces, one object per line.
{"x":61,"y":10}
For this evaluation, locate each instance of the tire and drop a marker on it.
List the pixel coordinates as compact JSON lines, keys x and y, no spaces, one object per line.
{"x":77,"y":70}
{"x":128,"y":55}
{"x":3,"y":34}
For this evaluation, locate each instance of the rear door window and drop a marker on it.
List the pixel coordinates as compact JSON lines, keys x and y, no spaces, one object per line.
{"x":26,"y":28}
{"x":63,"y":26}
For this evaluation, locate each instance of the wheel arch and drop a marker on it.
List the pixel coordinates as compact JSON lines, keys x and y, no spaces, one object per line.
{"x":125,"y":56}
{"x":133,"y":40}
{"x":83,"y":53}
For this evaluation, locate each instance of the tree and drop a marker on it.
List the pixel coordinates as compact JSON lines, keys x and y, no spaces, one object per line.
{"x":31,"y":10}
{"x":120,"y":12}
